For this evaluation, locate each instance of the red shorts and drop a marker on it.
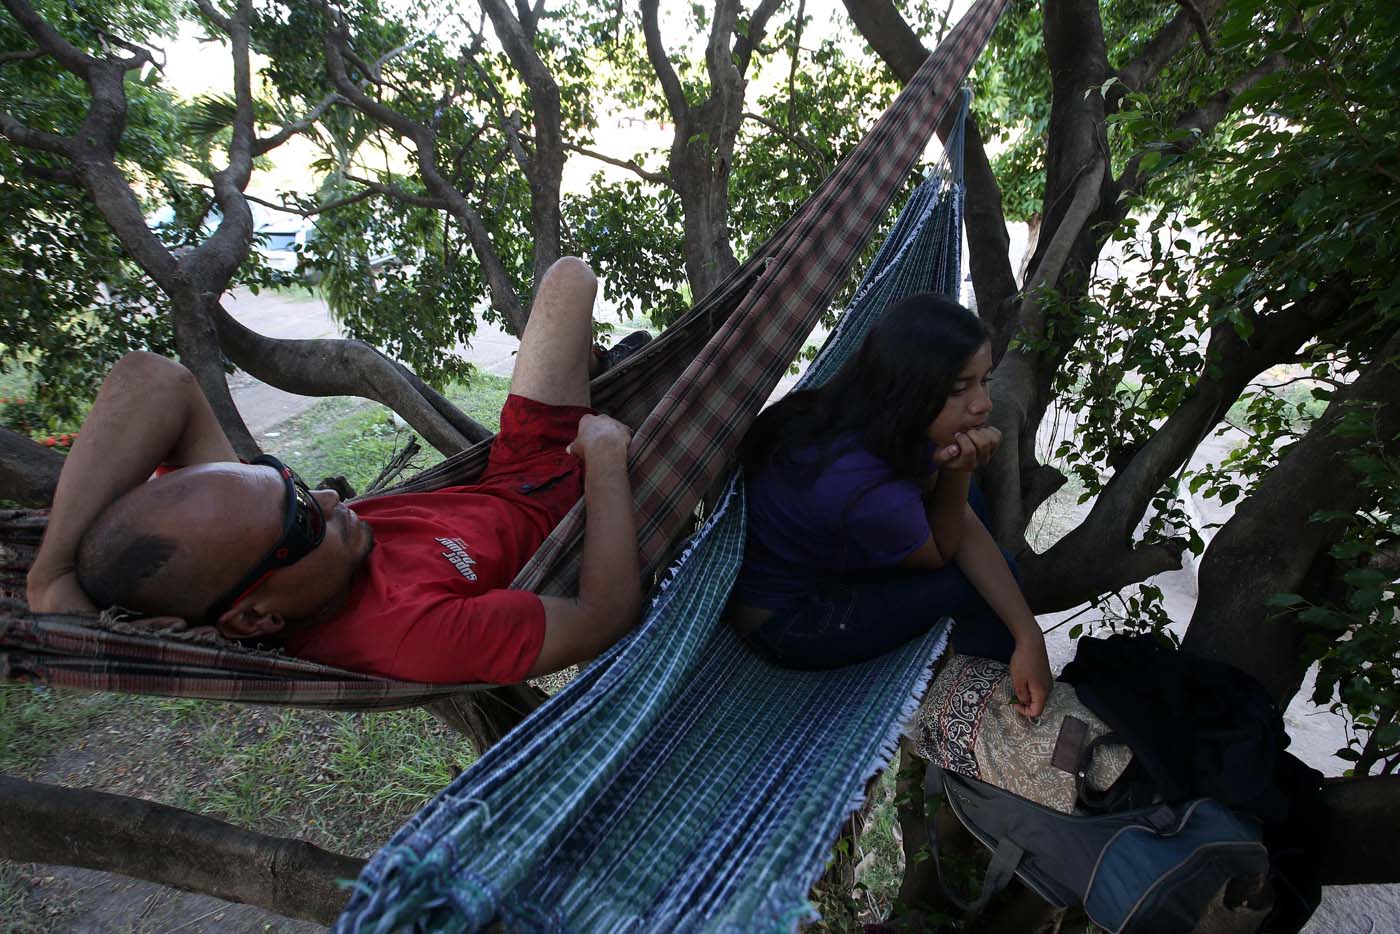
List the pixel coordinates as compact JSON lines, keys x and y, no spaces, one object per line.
{"x":528,"y":464}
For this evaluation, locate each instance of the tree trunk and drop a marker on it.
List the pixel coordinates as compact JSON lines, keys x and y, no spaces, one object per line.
{"x":704,"y":193}
{"x":197,"y":341}
{"x":1032,"y":241}
{"x":1272,"y":544}
{"x":28,"y":471}
{"x":113,"y":833}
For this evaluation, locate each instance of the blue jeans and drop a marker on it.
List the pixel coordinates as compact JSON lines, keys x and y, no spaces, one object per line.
{"x":855,"y":618}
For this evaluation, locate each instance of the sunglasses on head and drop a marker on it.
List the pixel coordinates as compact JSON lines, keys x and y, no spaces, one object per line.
{"x":303,"y":528}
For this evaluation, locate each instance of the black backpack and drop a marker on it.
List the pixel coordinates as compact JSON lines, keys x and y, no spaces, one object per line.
{"x":1151,"y":869}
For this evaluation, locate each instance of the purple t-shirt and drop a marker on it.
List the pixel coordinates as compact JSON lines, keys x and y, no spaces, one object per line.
{"x":805,"y":527}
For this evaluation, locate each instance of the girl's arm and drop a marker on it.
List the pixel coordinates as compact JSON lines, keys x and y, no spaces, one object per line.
{"x":982,"y":561}
{"x":948,"y":512}
{"x":945,"y":496}
{"x":948,"y":515}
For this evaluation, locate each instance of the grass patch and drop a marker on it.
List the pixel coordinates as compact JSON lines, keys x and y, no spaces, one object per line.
{"x":354,"y":439}
{"x":23,"y":910}
{"x":343,"y":781}
{"x":35,"y":722}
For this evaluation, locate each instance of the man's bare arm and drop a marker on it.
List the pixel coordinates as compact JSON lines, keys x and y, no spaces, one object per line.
{"x":609,"y":597}
{"x":149,"y":412}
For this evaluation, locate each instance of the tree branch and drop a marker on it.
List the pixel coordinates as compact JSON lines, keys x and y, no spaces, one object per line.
{"x":1074,"y":568}
{"x":1203,"y":119}
{"x":302,"y":212}
{"x":214,"y":262}
{"x":661,"y":64}
{"x":1164,"y":46}
{"x":745,"y":44}
{"x":28,"y":471}
{"x":1056,"y":254}
{"x":801,"y":21}
{"x":545,"y":168}
{"x":630,"y":165}
{"x":49,"y":40}
{"x":343,"y":368}
{"x":797,"y":139}
{"x":139,"y":54}
{"x":21,"y":135}
{"x":212,"y":14}
{"x":397,"y":193}
{"x":503,"y":295}
{"x":719,"y":59}
{"x":48,"y":173}
{"x":145,"y":840}
{"x":21,"y":56}
{"x":1249,"y":559}
{"x":267,"y":144}
{"x":1198,"y":20}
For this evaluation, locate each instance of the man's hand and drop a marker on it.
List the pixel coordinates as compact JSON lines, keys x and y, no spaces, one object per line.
{"x":599,"y":435}
{"x":974,"y":449}
{"x":609,"y":588}
{"x":1030,"y":675}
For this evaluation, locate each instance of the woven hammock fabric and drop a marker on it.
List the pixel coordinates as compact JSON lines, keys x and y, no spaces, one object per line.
{"x":679,"y":783}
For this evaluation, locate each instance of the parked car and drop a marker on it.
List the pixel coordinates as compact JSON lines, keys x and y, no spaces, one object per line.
{"x":280,"y":239}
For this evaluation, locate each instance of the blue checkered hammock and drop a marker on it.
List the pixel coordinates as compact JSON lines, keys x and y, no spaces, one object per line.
{"x":679,"y":782}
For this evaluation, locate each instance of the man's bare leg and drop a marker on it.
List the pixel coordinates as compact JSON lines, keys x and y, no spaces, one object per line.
{"x":553,"y":363}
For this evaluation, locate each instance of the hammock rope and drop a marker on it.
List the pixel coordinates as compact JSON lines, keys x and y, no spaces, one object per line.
{"x":679,"y":783}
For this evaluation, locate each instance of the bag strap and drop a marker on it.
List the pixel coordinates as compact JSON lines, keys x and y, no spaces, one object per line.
{"x":1006,"y":858}
{"x":1094,"y":800}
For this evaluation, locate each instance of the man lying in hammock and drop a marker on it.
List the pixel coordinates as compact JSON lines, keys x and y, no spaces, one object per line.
{"x":410,"y":586}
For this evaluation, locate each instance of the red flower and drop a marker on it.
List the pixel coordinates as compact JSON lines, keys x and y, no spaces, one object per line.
{"x":50,"y":441}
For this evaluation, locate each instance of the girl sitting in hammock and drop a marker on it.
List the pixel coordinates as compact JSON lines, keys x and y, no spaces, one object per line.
{"x":864,"y":527}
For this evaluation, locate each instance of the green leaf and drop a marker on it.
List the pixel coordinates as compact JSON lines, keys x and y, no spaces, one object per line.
{"x":1366,"y":578}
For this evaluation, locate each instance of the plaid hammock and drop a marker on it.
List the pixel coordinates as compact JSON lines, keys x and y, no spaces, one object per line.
{"x":690,"y":395}
{"x":679,"y":783}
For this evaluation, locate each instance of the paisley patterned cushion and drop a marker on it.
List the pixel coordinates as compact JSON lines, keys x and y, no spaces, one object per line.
{"x":967,"y":725}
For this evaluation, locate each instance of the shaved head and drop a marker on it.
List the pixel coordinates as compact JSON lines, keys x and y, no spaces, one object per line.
{"x":173,"y":545}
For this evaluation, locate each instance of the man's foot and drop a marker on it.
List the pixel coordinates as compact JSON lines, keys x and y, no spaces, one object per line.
{"x":614,"y":355}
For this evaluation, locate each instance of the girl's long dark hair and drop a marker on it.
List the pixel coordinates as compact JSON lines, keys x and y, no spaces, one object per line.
{"x":883,"y":398}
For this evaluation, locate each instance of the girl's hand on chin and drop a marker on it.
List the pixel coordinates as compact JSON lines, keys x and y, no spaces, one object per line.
{"x":974,"y":447}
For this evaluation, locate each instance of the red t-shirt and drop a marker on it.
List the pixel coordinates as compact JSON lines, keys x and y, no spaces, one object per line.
{"x":429,"y":603}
